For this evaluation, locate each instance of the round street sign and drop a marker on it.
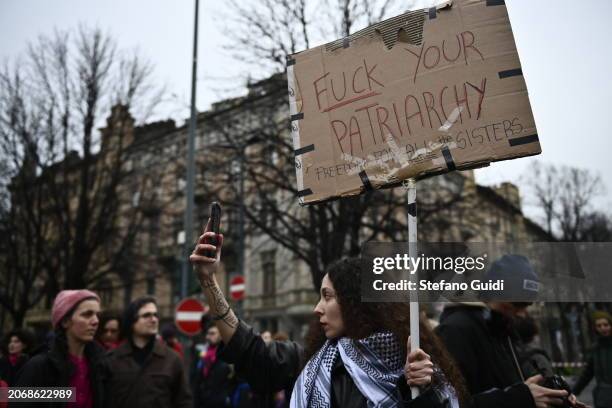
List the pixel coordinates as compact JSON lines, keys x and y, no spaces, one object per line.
{"x":187,"y":316}
{"x":237,"y":287}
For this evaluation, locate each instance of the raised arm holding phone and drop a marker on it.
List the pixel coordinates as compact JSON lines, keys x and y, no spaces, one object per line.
{"x":334,"y":351}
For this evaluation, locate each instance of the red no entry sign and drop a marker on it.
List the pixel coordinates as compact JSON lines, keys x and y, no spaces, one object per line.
{"x":188,"y":314}
{"x":237,"y":287}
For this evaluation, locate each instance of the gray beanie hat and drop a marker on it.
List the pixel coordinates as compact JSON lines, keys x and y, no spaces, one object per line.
{"x":521,"y":282}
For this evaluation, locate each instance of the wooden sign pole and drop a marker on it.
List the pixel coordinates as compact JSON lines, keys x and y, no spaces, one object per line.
{"x":410,"y":186}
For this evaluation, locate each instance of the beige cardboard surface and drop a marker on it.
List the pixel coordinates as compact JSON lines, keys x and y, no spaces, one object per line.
{"x":368,"y":116}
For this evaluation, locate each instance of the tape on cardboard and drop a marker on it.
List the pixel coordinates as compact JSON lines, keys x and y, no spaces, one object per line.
{"x":411,"y":23}
{"x":523,"y":140}
{"x":448,"y":158}
{"x":295,"y":125}
{"x":304,"y":193}
{"x":365,"y":180}
{"x":510,"y":73}
{"x":412,"y":209}
{"x":303,"y":150}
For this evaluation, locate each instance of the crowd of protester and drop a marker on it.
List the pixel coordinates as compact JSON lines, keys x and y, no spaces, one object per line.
{"x":123,"y":360}
{"x":356,"y":354}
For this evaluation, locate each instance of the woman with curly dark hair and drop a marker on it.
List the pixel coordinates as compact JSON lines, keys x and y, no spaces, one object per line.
{"x":355,"y":353}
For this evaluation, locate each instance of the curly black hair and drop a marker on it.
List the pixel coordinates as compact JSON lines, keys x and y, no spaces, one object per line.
{"x":365,"y":318}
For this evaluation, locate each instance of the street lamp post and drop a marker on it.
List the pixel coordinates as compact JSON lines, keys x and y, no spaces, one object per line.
{"x":188,"y":220}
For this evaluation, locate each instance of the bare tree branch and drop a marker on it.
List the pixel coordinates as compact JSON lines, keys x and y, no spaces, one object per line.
{"x":62,"y":177}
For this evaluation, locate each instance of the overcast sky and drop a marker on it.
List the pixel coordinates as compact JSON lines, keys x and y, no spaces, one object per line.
{"x":564,"y":49}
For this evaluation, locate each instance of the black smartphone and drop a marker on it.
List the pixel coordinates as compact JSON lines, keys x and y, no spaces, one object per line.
{"x":215,"y":221}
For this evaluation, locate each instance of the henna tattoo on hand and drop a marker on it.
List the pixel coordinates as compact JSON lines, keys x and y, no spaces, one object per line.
{"x":231,"y":320}
{"x":207,"y":282}
{"x":219,"y":305}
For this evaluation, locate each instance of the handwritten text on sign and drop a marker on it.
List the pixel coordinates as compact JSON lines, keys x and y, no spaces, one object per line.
{"x":448,"y":94}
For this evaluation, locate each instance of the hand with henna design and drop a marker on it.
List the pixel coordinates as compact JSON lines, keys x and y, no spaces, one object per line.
{"x":205,"y":269}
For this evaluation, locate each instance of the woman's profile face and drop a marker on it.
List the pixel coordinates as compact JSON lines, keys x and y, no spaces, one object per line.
{"x":602,"y":326}
{"x":328,"y":310}
{"x":83,"y":323}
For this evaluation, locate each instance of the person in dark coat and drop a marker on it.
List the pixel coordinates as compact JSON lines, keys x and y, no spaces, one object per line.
{"x":144,"y":371}
{"x":599,"y":363}
{"x":355,"y":356}
{"x":533,"y":359}
{"x":169,"y":337}
{"x":481,"y":339}
{"x":212,"y":385}
{"x":74,"y":359}
{"x":16,"y":348}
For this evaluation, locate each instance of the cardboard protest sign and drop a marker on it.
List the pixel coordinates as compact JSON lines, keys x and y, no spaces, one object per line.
{"x":422,"y":93}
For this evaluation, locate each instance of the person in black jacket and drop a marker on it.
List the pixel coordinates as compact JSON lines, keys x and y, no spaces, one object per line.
{"x":74,"y":359}
{"x":481,"y":339}
{"x":212,"y":379}
{"x":355,"y":354}
{"x":16,"y":348}
{"x":533,"y":359}
{"x":599,"y":363}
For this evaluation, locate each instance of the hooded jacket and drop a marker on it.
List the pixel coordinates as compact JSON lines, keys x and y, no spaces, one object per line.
{"x":212,"y":384}
{"x":481,"y":342}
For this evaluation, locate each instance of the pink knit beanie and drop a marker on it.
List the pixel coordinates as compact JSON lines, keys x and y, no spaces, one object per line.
{"x":66,"y":300}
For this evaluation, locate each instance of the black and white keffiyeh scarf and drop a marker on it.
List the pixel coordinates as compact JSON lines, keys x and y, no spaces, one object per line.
{"x":375,"y":364}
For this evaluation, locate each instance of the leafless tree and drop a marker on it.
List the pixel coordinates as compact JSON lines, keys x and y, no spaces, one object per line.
{"x":62,"y":178}
{"x":565,"y":195}
{"x":263,"y":33}
{"x":597,"y":227}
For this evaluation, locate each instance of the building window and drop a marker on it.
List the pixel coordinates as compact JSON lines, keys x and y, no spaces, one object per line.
{"x":268,"y":268}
